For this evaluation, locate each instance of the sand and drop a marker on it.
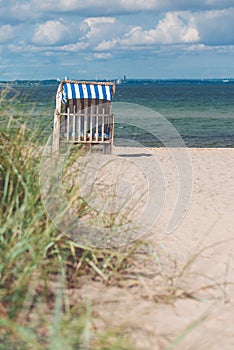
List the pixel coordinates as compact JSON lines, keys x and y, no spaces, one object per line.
{"x":180,"y":286}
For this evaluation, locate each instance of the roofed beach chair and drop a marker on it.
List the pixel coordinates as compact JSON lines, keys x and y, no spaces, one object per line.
{"x":83,"y":114}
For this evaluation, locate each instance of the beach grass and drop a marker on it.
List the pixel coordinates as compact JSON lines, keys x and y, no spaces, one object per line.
{"x":38,"y":263}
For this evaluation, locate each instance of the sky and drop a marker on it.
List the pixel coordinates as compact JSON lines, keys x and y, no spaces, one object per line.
{"x":103,"y":39}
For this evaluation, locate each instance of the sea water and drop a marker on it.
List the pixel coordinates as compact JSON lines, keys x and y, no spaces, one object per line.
{"x":201,"y":111}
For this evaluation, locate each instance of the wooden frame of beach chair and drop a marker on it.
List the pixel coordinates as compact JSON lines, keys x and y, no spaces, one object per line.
{"x":83,"y":114}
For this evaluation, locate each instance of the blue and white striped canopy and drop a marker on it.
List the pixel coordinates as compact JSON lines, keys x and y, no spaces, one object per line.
{"x":94,"y":91}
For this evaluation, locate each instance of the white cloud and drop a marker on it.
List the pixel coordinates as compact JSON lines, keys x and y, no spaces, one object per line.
{"x":7,"y":32}
{"x":107,"y":45}
{"x":102,"y":55}
{"x":174,"y":28}
{"x":76,"y":47}
{"x":97,"y":29}
{"x":50,"y":32}
{"x":92,"y":21}
{"x":195,"y":48}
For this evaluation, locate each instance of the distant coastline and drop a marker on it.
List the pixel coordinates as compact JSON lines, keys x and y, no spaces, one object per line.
{"x":51,"y":82}
{"x":55,"y":82}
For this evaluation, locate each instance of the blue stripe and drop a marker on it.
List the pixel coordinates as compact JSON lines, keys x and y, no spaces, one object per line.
{"x":73,"y":91}
{"x":96,"y":91}
{"x":104,"y":92}
{"x":89,"y":91}
{"x":111,"y":92}
{"x":81,"y":91}
{"x":65,"y":93}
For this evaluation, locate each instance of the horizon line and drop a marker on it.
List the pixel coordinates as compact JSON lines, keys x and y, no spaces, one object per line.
{"x":121,"y":79}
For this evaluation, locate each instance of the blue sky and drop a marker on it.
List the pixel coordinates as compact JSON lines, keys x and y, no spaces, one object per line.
{"x":46,"y":39}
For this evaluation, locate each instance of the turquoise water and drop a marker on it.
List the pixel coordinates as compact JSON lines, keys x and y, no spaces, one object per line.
{"x":202,"y":112}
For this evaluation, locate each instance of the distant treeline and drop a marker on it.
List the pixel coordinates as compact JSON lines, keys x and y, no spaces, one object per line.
{"x":53,"y":82}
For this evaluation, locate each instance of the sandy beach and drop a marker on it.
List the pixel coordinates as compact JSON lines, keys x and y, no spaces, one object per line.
{"x":180,"y":286}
